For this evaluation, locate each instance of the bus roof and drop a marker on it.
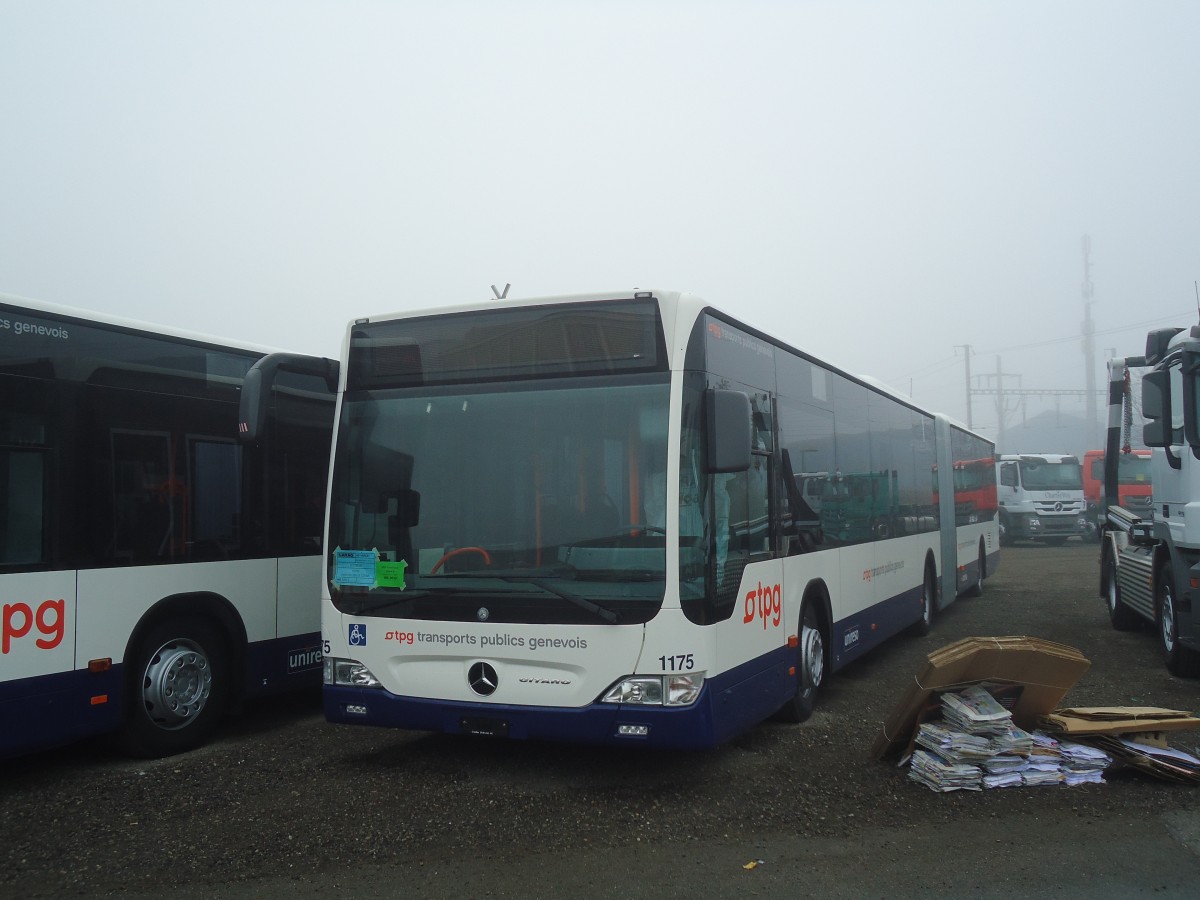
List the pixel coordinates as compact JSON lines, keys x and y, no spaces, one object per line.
{"x":87,"y":315}
{"x":671,"y":302}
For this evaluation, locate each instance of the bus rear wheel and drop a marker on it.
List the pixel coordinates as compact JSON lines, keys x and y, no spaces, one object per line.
{"x":924,"y":624}
{"x":177,"y":688}
{"x":810,"y":665}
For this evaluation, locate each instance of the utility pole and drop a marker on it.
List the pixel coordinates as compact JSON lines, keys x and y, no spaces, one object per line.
{"x":1010,"y":399}
{"x":967,"y":355}
{"x":1089,"y":342}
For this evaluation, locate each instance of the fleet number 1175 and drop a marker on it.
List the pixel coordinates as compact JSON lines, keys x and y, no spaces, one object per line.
{"x":680,"y":663}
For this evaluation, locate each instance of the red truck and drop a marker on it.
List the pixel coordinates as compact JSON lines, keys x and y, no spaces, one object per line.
{"x":1133,"y":483}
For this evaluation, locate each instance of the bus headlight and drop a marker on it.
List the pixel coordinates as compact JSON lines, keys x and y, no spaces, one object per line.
{"x":349,"y":672}
{"x":656,"y":690}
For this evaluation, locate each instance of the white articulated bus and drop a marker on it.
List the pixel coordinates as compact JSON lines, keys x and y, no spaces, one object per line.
{"x":623,"y":518}
{"x":154,"y":569}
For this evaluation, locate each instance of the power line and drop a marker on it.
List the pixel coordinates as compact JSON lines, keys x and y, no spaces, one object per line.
{"x":1075,"y":337}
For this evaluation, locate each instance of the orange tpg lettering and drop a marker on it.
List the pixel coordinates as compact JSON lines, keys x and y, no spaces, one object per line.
{"x":764,"y":603}
{"x":18,"y":619}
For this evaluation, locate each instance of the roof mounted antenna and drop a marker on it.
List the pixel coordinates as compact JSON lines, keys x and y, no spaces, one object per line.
{"x":500,"y":295}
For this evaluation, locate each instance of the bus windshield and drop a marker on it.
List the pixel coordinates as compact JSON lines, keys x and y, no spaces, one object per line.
{"x":526,"y":501}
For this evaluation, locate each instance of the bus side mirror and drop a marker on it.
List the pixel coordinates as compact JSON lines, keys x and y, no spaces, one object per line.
{"x":252,"y":411}
{"x":385,"y":476}
{"x":260,"y":379}
{"x":1156,"y":407}
{"x":408,"y":508}
{"x":728,"y":421}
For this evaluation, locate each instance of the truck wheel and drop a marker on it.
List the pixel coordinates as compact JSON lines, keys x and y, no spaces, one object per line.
{"x":810,"y":664}
{"x":976,"y":590}
{"x":1180,"y":660}
{"x":1120,"y":615}
{"x":1006,"y":539}
{"x":177,"y":687}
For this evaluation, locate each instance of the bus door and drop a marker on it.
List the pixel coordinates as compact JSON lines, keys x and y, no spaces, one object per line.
{"x":750,"y":571}
{"x":37,"y":608}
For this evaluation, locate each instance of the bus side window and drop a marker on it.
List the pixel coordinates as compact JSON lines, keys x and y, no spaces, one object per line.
{"x":22,"y":514}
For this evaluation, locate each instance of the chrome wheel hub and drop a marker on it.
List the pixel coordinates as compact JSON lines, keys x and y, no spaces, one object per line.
{"x":177,"y":684}
{"x":812,"y":656}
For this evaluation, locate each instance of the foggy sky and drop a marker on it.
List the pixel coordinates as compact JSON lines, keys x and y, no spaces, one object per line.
{"x":881,"y":184}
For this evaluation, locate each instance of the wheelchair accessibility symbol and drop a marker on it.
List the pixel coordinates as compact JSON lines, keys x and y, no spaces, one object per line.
{"x":358,"y":635}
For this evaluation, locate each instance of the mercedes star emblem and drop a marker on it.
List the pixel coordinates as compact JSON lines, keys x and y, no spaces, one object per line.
{"x":483,"y":679}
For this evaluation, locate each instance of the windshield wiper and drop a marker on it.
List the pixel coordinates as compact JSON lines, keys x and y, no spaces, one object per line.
{"x":371,"y":604}
{"x":597,"y":610}
{"x":602,"y":612}
{"x":621,"y":575}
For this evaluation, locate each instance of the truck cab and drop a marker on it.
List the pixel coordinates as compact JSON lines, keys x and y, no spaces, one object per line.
{"x":1133,"y":484}
{"x":1041,"y":498}
{"x":1150,"y":561}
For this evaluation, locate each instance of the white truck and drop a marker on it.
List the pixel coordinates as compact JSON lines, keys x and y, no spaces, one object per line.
{"x":1150,"y":563}
{"x":1041,"y":498}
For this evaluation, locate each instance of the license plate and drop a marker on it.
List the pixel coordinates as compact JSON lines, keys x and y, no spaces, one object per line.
{"x":489,"y":727}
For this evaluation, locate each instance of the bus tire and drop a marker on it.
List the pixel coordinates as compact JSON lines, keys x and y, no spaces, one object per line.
{"x":810,"y":667}
{"x":976,"y":589}
{"x":1121,"y":616}
{"x":1180,"y":660}
{"x":177,"y":688}
{"x":924,"y":625}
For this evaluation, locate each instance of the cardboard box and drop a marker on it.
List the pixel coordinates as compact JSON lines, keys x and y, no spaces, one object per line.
{"x":1117,"y":720}
{"x":1041,"y":672}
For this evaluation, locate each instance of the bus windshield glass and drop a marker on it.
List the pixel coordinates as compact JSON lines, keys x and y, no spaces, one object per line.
{"x":521,"y":501}
{"x":1043,"y":476}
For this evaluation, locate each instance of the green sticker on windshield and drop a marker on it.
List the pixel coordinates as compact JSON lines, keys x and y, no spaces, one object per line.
{"x":390,"y":574}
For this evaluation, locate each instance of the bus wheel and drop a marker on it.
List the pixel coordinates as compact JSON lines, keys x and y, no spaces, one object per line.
{"x":810,"y":665}
{"x":179,"y":676}
{"x":1180,"y":660}
{"x":1120,"y":615}
{"x":928,"y":602}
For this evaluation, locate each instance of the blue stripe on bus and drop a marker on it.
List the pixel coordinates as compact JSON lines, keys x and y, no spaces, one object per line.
{"x":728,"y":704}
{"x":56,"y":709}
{"x":51,"y":710}
{"x":854,"y":635}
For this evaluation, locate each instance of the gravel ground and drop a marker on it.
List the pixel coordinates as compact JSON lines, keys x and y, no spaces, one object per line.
{"x":284,"y":804}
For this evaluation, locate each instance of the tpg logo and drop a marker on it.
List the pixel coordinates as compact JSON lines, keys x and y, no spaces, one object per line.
{"x":17,"y":619}
{"x":764,"y":603}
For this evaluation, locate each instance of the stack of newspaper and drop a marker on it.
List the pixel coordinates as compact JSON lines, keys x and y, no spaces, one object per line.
{"x":1004,"y":770}
{"x":1082,"y":764}
{"x":975,"y":711}
{"x":938,"y":774}
{"x":1044,"y":765}
{"x":976,"y":745}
